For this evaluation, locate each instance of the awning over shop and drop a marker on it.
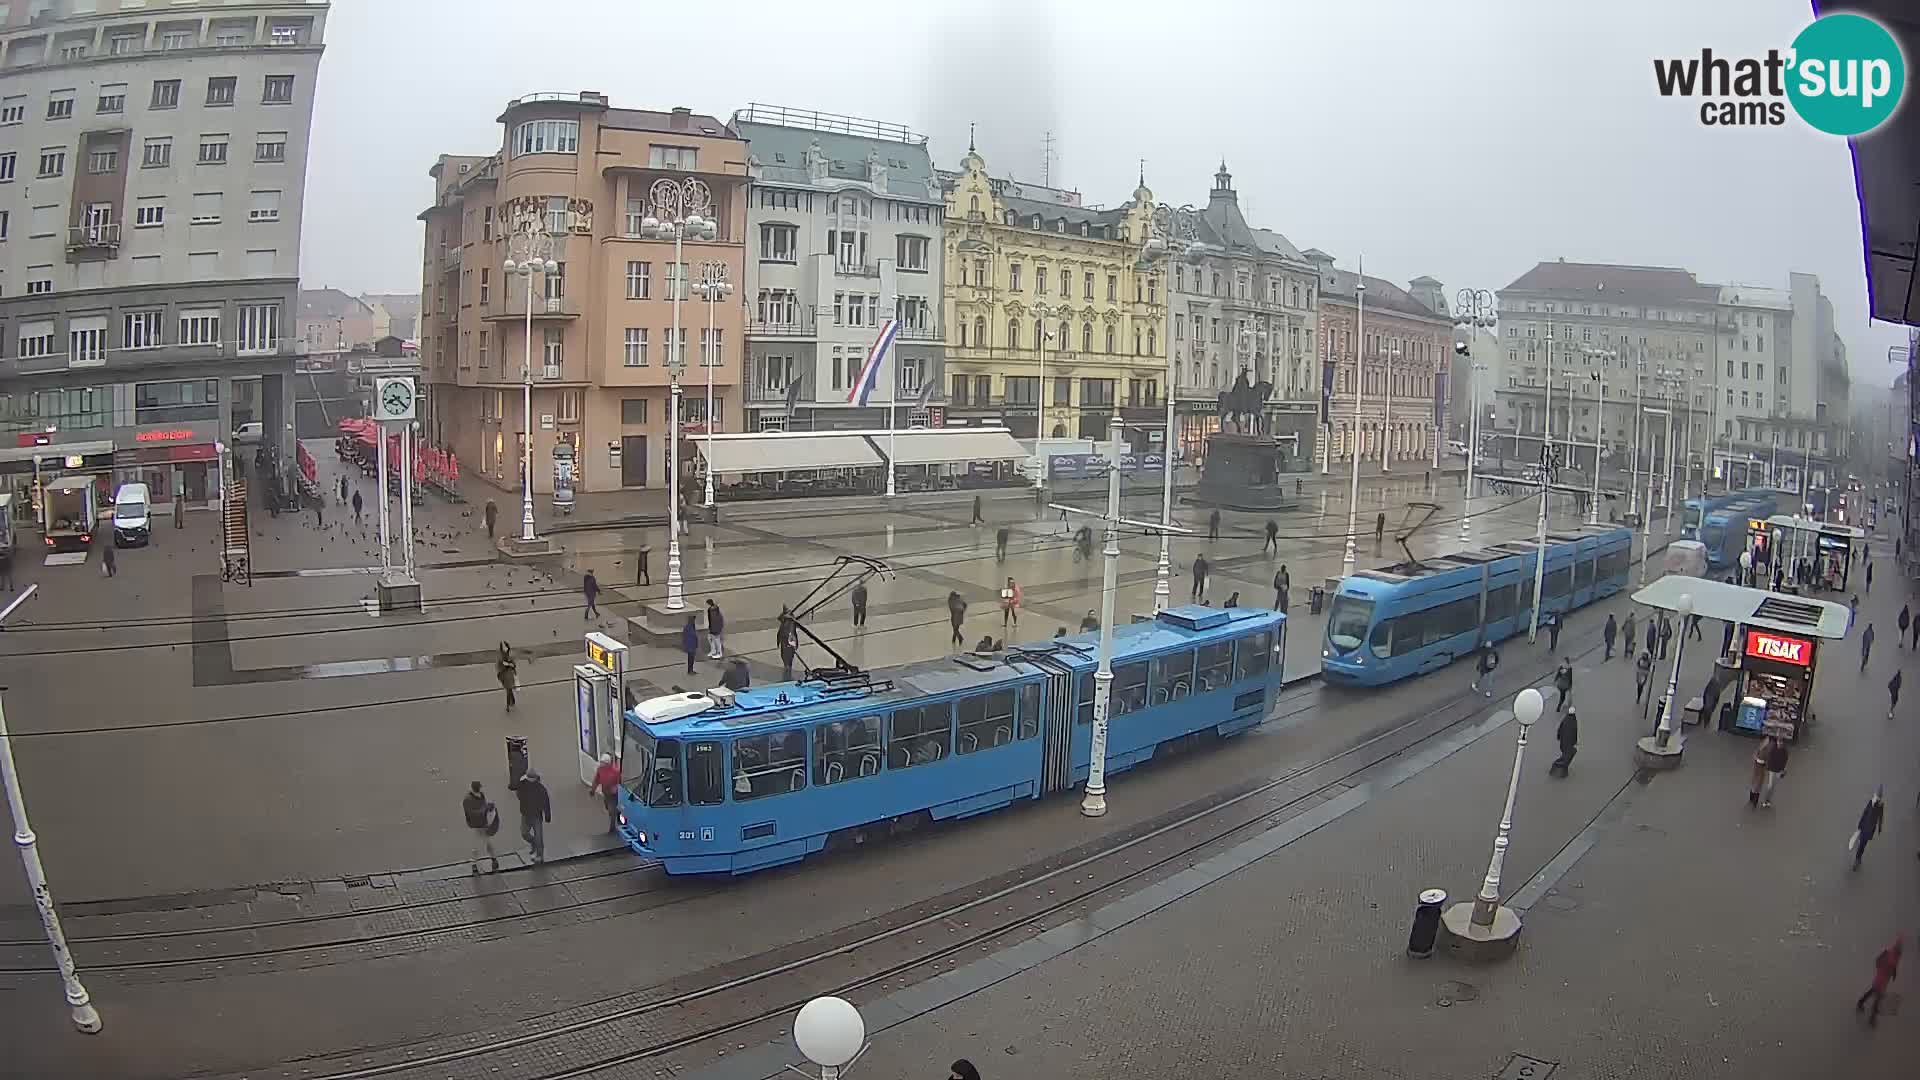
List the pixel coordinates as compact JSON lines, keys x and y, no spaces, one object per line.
{"x":1754,"y":607}
{"x":776,"y":451}
{"x":949,"y":446}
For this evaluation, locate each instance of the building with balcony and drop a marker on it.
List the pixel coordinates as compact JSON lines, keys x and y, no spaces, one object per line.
{"x":1244,"y":302}
{"x":601,"y":356}
{"x":152,"y":177}
{"x":845,"y":219}
{"x":1404,"y":346}
{"x":1042,"y":292}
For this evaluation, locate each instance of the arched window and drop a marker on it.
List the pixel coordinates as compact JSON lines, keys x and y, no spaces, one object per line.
{"x":973,"y":204}
{"x":1086,"y":337}
{"x":1013,"y":333}
{"x":1136,"y":341}
{"x":963,"y":335}
{"x":1065,"y":340}
{"x":1153,"y":342}
{"x":1110,"y":339}
{"x":980,"y":332}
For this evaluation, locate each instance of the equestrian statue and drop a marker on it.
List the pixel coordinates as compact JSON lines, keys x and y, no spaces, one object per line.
{"x":1244,"y":406}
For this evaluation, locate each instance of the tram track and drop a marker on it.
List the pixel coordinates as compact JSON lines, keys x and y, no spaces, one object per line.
{"x":679,"y":1015}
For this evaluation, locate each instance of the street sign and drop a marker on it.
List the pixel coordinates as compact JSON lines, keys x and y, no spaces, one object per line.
{"x":393,"y":398}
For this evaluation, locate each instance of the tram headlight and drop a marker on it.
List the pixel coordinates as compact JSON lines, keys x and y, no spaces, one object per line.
{"x":623,"y":818}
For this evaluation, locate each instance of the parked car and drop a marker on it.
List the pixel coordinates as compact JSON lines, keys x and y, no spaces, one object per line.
{"x":248,"y":434}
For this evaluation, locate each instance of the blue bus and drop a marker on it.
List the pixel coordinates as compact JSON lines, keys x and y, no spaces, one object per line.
{"x":1387,"y":625}
{"x":718,"y":783}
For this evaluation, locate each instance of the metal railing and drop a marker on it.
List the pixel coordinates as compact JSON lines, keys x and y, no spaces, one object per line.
{"x":82,"y":237}
{"x":756,"y":113}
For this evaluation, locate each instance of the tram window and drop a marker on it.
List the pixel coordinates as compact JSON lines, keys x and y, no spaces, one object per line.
{"x":1253,"y":655}
{"x":1029,"y":711}
{"x":1558,"y":583}
{"x":771,"y":764}
{"x":1500,"y":602}
{"x":706,"y":774}
{"x":1583,"y":575}
{"x":1215,"y":667}
{"x":1084,"y":710}
{"x":1526,"y":594}
{"x":920,"y":735}
{"x":1382,"y":640}
{"x":1172,"y":677}
{"x":986,"y":721}
{"x":1456,"y":617}
{"x":1129,"y":688}
{"x":666,"y":775}
{"x":846,"y":750}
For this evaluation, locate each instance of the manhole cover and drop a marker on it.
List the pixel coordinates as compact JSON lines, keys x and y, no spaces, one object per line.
{"x":1522,"y":1067}
{"x":1454,"y":992}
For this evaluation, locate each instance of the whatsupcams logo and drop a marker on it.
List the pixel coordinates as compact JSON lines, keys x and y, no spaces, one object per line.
{"x":1844,"y":75}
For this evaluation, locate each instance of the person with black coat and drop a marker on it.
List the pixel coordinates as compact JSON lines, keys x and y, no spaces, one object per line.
{"x":483,"y":820}
{"x":787,"y":635}
{"x":1653,"y":634}
{"x":1200,"y":578}
{"x":978,"y":517}
{"x":1273,"y":537}
{"x":859,"y":598}
{"x":736,"y":678}
{"x":1483,"y":668}
{"x":508,"y":672}
{"x":536,"y":810}
{"x":1563,"y":684}
{"x":1553,"y":632}
{"x":1871,"y":820}
{"x":1666,"y":634}
{"x":716,"y":631}
{"x":689,"y":641}
{"x":1608,"y":634}
{"x":1568,"y":735}
{"x":956,"y":614}
{"x":1642,"y":675}
{"x":1893,"y":693}
{"x":1213,"y":525}
{"x":1282,"y":585}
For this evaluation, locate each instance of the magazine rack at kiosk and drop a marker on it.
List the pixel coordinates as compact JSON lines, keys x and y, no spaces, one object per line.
{"x":1776,"y":683}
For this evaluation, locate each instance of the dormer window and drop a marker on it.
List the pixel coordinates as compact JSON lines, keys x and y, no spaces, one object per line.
{"x":1060,"y":226}
{"x":1036,"y":221}
{"x":1084,"y":230}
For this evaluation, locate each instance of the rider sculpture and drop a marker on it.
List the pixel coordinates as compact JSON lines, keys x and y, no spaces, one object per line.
{"x":1244,"y":405}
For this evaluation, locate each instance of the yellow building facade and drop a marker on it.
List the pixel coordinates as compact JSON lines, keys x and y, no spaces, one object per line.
{"x":1042,"y":295}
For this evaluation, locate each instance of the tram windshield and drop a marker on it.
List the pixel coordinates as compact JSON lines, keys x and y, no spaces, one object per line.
{"x":1690,"y":517}
{"x":1348,"y":621}
{"x":636,"y":761}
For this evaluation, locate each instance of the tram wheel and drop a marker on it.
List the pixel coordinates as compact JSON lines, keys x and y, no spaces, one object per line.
{"x":847,"y":839}
{"x":906,"y":824}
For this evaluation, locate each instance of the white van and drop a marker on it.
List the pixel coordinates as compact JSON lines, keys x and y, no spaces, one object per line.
{"x":132,"y":516}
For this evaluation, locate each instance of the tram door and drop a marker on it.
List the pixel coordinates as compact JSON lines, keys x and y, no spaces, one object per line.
{"x":1056,"y":756}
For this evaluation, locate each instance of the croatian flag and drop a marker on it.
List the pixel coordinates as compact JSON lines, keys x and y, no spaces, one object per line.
{"x":862,"y":388}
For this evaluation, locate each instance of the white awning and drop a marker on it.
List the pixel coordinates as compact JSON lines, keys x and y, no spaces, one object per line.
{"x":1711,"y":599}
{"x":776,"y":451}
{"x":950,"y":446}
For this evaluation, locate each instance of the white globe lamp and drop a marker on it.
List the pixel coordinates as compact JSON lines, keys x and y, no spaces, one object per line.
{"x":830,"y":1032}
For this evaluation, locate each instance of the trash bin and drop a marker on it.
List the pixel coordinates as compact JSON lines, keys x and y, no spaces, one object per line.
{"x":1316,"y":599}
{"x":516,"y":757}
{"x":1426,"y":924}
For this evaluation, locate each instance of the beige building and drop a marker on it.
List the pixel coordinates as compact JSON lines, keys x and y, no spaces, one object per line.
{"x":588,"y":175}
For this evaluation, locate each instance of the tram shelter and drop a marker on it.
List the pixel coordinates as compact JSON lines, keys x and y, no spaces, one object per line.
{"x":761,"y":464}
{"x":1788,"y":540}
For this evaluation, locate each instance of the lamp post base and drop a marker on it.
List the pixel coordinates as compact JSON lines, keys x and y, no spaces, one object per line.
{"x":514,"y":547}
{"x":1471,"y":941}
{"x":1649,"y":754}
{"x":1094,"y":805}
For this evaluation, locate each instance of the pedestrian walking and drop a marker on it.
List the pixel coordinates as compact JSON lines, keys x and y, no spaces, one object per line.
{"x":1869,"y":577}
{"x":491,"y":514}
{"x":1429,"y":482}
{"x":787,"y":634}
{"x":1000,"y":538}
{"x":356,"y":509}
{"x":1083,"y":545}
{"x":1853,"y":612}
{"x":1484,"y":667}
{"x":1607,"y":635}
{"x":319,"y":507}
{"x":1776,"y":768}
{"x":716,"y":631}
{"x":977,"y":516}
{"x":1553,"y":632}
{"x":1562,"y":684}
{"x":1629,"y":639}
{"x":483,"y":820}
{"x":590,"y":587}
{"x":606,"y":784}
{"x":1273,"y":537}
{"x":1866,"y":646}
{"x":1010,"y":604}
{"x":956,"y":613}
{"x":1915,"y":643}
{"x":1893,"y":692}
{"x":1905,"y":620}
{"x":1379,"y":528}
{"x":1282,"y":585}
{"x":689,"y":642}
{"x":1213,"y":525}
{"x":859,"y":598}
{"x":643,"y":575}
{"x":1666,"y":634}
{"x":6,"y":568}
{"x":1200,"y":578}
{"x":109,"y":560}
{"x":343,"y":487}
{"x":1886,"y":968}
{"x":536,"y":810}
{"x":1693,"y":626}
{"x":508,"y":672}
{"x":1872,"y":819}
{"x":1568,"y":735}
{"x":1089,"y":622}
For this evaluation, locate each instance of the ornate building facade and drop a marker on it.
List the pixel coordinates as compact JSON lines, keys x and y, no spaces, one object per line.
{"x":1043,"y":295}
{"x":1404,"y":350}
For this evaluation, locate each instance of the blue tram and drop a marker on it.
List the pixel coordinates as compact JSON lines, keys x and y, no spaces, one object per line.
{"x":1724,"y":531}
{"x":1694,"y":513}
{"x":1387,"y":625}
{"x":729,"y":784}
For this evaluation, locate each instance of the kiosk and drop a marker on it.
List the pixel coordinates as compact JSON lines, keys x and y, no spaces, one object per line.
{"x":1776,"y":683}
{"x":598,"y":694}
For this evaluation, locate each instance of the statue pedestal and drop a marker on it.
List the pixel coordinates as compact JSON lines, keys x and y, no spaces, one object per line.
{"x":1242,"y":472}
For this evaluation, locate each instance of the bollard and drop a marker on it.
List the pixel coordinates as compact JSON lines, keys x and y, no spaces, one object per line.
{"x":1426,"y":923}
{"x":517,"y":762}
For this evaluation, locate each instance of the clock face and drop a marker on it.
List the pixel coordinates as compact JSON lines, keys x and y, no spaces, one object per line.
{"x":396,"y":398}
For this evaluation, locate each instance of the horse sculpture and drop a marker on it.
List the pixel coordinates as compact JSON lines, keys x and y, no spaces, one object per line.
{"x":1244,"y":405}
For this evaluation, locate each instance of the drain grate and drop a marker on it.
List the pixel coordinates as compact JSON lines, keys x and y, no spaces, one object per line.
{"x":1522,"y":1067}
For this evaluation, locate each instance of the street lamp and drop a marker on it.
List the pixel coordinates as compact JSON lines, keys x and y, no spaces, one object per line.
{"x":1489,"y":919}
{"x":1599,"y":377}
{"x":1174,"y":232}
{"x":1666,"y":743}
{"x":677,"y":210}
{"x":536,"y":257}
{"x":713,"y":287}
{"x":1360,"y":345}
{"x":830,"y":1033}
{"x":1646,"y":520}
{"x":1391,"y":353}
{"x":1474,"y":311}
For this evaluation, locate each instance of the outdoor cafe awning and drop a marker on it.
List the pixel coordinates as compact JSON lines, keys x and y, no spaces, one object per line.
{"x":777,"y":451}
{"x":1754,"y":607}
{"x":949,"y":446}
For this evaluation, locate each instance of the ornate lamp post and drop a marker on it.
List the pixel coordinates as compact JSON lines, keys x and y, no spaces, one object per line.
{"x":1473,"y":311}
{"x":713,"y":287}
{"x":676,"y":210}
{"x":1359,"y":381}
{"x":1486,"y":923}
{"x":535,"y":247}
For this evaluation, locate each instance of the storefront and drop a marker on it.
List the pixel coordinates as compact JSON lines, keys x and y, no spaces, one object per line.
{"x":34,"y":462}
{"x":175,"y":461}
{"x":1776,"y":685}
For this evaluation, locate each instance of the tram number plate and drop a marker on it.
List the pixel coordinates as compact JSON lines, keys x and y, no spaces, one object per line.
{"x":686,"y":834}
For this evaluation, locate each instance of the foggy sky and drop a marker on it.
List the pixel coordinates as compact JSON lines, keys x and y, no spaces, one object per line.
{"x":1465,"y":140}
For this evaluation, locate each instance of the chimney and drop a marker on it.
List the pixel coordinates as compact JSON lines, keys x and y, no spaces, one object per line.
{"x":682,"y":118}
